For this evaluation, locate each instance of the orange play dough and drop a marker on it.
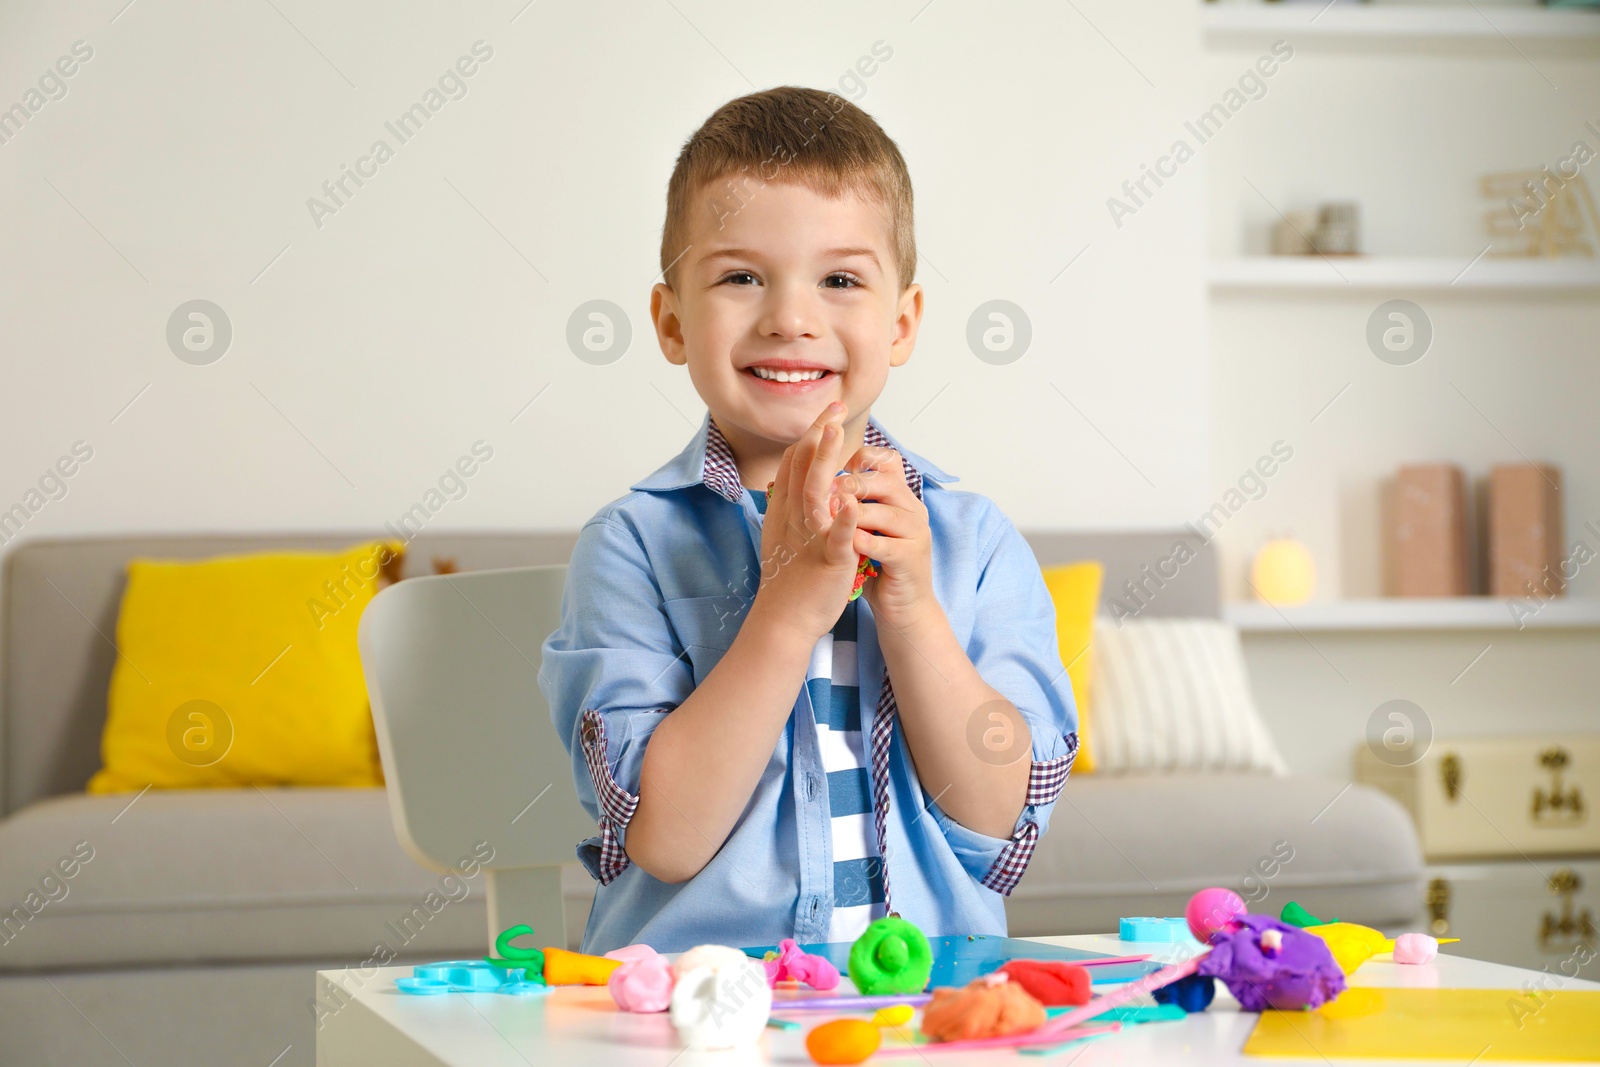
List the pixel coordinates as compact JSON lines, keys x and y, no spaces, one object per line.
{"x":984,"y":1008}
{"x":842,"y":1041}
{"x":562,"y":967}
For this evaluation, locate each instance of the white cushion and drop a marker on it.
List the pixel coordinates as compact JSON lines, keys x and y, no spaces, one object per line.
{"x":1173,"y":695}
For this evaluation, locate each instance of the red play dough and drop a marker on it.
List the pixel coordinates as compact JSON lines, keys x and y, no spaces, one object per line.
{"x":1053,"y":983}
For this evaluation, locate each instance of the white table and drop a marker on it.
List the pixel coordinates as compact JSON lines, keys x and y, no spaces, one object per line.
{"x":577,"y":1026}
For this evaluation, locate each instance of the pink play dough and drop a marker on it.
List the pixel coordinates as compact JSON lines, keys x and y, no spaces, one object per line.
{"x":1415,"y":948}
{"x":793,"y":964}
{"x":644,"y":981}
{"x":1213,"y":911}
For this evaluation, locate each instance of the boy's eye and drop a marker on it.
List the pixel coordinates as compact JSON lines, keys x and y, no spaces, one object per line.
{"x":836,"y":280}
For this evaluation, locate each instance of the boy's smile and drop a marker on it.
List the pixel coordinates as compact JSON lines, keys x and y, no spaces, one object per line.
{"x":784,"y":304}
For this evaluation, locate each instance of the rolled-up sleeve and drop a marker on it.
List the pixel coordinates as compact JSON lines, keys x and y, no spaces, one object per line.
{"x":1013,"y":646}
{"x":610,"y":673}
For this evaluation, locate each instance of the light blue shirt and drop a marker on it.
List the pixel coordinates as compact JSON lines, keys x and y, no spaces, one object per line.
{"x":657,"y":587}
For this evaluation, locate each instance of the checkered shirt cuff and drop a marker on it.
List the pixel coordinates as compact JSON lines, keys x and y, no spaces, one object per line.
{"x":1045,"y":779}
{"x":617,"y":805}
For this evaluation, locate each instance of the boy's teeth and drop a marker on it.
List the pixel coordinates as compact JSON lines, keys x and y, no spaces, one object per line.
{"x":787,"y":375}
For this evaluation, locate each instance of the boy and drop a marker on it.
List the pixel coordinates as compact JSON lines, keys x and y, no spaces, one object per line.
{"x":767,"y":756}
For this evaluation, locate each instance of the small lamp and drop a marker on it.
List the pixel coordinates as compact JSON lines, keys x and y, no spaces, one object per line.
{"x":1284,"y":572}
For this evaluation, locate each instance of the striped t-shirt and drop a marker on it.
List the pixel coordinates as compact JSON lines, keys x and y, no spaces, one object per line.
{"x":834,"y":691}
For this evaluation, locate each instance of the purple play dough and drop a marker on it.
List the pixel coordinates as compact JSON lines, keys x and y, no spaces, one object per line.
{"x":1302,"y":974}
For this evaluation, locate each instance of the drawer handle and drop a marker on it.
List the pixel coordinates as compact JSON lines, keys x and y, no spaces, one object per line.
{"x":1558,"y":806}
{"x":1439,"y":907}
{"x":1568,"y":928}
{"x":1450,"y":774}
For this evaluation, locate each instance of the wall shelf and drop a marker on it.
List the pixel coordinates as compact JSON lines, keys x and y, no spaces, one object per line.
{"x":1357,"y":273}
{"x":1416,"y":613}
{"x":1347,"y":23}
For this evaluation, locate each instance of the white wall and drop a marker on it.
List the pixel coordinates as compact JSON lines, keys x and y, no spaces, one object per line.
{"x":432,"y":307}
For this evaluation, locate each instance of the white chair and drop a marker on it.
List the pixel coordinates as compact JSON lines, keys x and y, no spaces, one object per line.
{"x":469,"y":752}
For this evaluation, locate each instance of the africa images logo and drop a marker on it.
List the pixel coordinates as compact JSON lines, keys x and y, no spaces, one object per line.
{"x":452,"y":85}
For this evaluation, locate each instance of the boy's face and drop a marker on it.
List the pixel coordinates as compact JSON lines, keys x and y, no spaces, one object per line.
{"x":790,"y":282}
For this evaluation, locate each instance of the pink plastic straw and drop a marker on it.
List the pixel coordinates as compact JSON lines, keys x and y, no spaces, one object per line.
{"x":1109,"y":960}
{"x":1032,"y":1037}
{"x":848,"y":1003}
{"x":863,"y":1003}
{"x":1154,"y":980}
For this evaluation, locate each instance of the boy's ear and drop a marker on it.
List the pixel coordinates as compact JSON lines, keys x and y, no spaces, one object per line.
{"x":669,"y":327}
{"x":908,"y":318}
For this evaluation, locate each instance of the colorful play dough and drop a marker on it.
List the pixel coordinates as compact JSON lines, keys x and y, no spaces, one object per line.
{"x":720,"y":999}
{"x":1351,"y":944}
{"x":791,"y":964}
{"x":1415,"y":948}
{"x":1213,"y":910}
{"x":562,"y":967}
{"x":1295,"y":915}
{"x":628,"y":953}
{"x":990,"y":1006}
{"x":1266,"y":963}
{"x":1191,"y":993}
{"x":1053,"y":983}
{"x":643,"y":982}
{"x":512,"y":955}
{"x":843,"y":1041}
{"x":891,"y":956}
{"x":898,"y":1015}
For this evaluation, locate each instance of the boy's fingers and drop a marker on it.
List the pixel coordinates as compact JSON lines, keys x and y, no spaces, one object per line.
{"x":877,"y":473}
{"x":824,"y":464}
{"x":886,"y":550}
{"x":828,"y":433}
{"x":887,"y":520}
{"x":843,"y":531}
{"x":799,"y":462}
{"x":878,"y":488}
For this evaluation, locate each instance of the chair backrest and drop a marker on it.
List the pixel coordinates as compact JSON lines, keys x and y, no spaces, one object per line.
{"x":470,"y":755}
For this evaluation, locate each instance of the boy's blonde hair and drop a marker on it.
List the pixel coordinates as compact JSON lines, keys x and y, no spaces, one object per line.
{"x":789,"y":134}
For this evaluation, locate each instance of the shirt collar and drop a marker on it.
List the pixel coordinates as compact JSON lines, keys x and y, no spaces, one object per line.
{"x":708,"y":459}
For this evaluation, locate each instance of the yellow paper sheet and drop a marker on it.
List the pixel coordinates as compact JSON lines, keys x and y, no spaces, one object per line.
{"x":1457,"y":1024}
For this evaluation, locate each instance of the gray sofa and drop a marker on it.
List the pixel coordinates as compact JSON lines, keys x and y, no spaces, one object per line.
{"x":191,"y":933}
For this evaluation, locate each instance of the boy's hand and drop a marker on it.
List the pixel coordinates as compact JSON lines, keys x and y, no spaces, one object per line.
{"x":893,"y":529}
{"x":808,"y":565}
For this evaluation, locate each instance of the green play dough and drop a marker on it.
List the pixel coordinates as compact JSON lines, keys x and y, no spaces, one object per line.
{"x":1295,"y":915}
{"x":892,"y":956}
{"x":531,"y":959}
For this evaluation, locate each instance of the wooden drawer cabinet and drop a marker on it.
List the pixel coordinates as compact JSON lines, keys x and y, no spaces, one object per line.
{"x":1497,"y":797}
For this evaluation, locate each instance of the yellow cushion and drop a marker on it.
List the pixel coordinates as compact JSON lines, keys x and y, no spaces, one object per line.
{"x":242,"y":670}
{"x":1075,"y":589}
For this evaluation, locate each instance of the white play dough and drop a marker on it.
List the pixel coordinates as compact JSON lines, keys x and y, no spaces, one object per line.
{"x":720,"y":999}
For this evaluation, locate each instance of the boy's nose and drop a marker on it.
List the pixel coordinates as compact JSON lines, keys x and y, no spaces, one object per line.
{"x":789,"y":313}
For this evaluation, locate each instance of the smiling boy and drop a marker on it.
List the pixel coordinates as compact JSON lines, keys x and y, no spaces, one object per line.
{"x":766,"y":755}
